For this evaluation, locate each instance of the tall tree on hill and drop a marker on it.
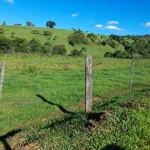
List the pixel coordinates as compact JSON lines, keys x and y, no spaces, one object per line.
{"x":50,"y":24}
{"x":28,"y":23}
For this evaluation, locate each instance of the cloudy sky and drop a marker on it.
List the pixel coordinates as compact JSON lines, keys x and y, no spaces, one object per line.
{"x":106,"y":17}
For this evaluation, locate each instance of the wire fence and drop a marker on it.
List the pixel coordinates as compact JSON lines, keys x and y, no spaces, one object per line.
{"x":63,"y":83}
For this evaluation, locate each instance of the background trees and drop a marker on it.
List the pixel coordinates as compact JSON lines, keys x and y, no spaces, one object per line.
{"x":50,"y":24}
{"x":29,"y":23}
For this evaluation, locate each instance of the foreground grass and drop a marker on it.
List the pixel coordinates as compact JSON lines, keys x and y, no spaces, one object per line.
{"x":126,"y":127}
{"x":38,"y":90}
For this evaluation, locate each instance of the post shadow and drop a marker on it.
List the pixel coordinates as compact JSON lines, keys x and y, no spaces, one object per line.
{"x":9,"y":134}
{"x":51,"y":103}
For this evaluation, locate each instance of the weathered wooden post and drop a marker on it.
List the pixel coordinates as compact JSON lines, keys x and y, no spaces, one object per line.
{"x":134,"y":56}
{"x":2,"y":78}
{"x":88,"y":88}
{"x":131,"y":78}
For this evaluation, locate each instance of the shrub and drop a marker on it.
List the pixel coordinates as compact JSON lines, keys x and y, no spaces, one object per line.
{"x":1,"y":30}
{"x":47,"y":33}
{"x":35,"y":32}
{"x":76,"y":52}
{"x":108,"y":54}
{"x":77,"y":37}
{"x":58,"y":50}
{"x":92,"y":36}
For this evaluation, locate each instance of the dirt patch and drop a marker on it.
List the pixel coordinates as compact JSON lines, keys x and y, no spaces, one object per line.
{"x":31,"y":146}
{"x":94,"y":119}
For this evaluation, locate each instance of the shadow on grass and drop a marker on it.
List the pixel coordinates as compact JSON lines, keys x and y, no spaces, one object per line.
{"x":51,"y":103}
{"x":9,"y":134}
{"x":112,"y":147}
{"x":86,"y":117}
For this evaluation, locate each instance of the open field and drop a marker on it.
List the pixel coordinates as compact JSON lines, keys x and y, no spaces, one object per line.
{"x":43,"y":103}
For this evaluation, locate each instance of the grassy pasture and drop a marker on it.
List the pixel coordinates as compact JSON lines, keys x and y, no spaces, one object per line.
{"x":61,"y":35}
{"x":61,"y":82}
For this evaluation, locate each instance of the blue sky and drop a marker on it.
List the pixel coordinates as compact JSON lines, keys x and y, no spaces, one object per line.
{"x":121,"y":17}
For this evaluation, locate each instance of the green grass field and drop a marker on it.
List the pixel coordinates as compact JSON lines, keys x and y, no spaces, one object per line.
{"x":60,"y":119}
{"x":43,"y":99}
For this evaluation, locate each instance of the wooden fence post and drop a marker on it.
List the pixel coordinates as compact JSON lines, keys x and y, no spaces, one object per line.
{"x":2,"y":78}
{"x":88,"y":68}
{"x":131,"y":78}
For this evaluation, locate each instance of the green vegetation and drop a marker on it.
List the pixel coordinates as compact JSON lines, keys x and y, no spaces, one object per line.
{"x":50,"y":24}
{"x":132,"y":45}
{"x":38,"y":90}
{"x":43,"y":104}
{"x":77,"y":37}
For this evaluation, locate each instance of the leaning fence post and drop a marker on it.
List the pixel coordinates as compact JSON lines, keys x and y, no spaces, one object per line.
{"x":88,"y":87}
{"x":2,"y":78}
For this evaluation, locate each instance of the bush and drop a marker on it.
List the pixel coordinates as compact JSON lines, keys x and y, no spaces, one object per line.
{"x":75,"y":52}
{"x":108,"y":54}
{"x":117,"y":54}
{"x":1,"y":30}
{"x":92,"y":36}
{"x":47,"y":33}
{"x":58,"y":50}
{"x":35,"y":32}
{"x":77,"y":37}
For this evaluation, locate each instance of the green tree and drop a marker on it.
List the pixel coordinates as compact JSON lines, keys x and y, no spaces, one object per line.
{"x":50,"y":24}
{"x":77,"y":37}
{"x":29,"y":23}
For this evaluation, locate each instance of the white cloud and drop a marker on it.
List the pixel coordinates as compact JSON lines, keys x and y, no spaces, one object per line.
{"x":74,"y":15}
{"x":9,"y":1}
{"x":113,"y":22}
{"x":147,"y":24}
{"x":98,"y":26}
{"x":110,"y":27}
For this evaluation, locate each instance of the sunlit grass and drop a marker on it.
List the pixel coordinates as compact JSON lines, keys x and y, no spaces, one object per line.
{"x":61,"y":81}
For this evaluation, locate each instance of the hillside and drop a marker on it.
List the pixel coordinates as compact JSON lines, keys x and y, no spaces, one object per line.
{"x":59,"y":36}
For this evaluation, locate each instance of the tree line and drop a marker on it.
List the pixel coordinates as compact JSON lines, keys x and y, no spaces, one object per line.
{"x":139,"y":44}
{"x":49,"y":24}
